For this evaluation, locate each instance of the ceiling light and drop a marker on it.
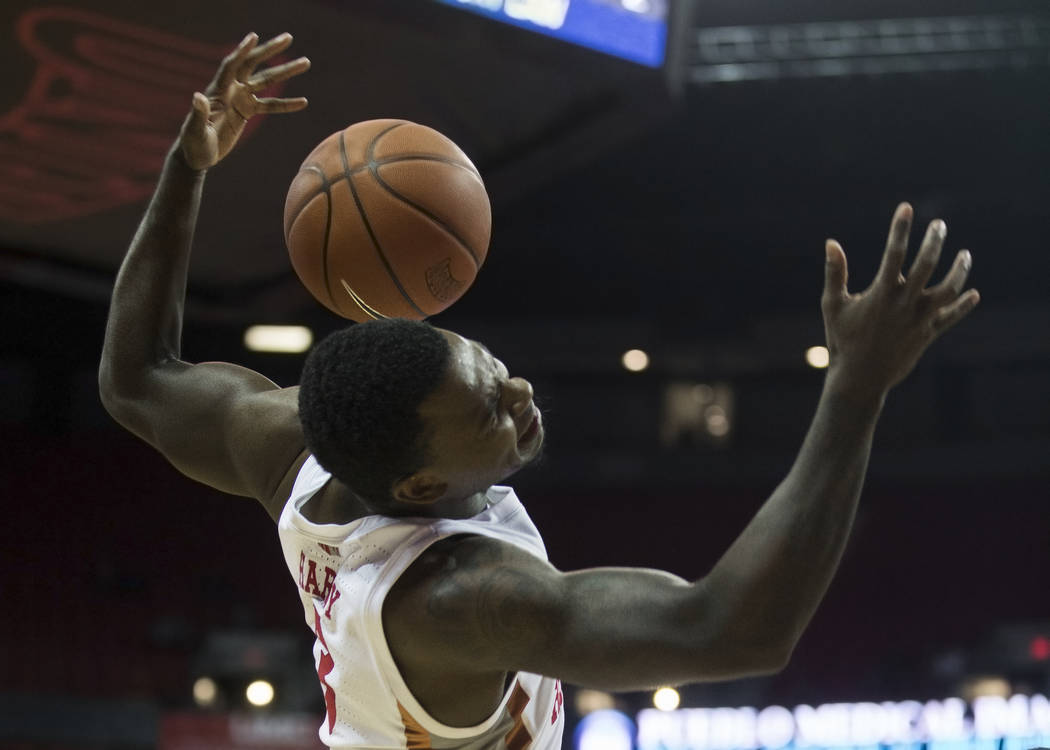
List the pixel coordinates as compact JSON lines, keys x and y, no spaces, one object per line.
{"x":284,"y":339}
{"x":635,"y":360}
{"x":818,"y":357}
{"x":259,"y":693}
{"x":666,"y":699}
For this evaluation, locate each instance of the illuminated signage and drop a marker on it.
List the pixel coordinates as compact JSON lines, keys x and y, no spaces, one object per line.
{"x":1020,"y":722}
{"x":632,"y":29}
{"x":1025,"y":719}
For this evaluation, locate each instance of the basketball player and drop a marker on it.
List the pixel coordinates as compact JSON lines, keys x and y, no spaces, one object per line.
{"x":438,"y":620}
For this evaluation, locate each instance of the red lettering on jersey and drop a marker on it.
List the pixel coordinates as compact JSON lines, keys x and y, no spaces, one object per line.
{"x":311,"y":586}
{"x":559,"y":701}
{"x":334,"y":551}
{"x":325,"y":664}
{"x":329,"y":579}
{"x":333,"y":594}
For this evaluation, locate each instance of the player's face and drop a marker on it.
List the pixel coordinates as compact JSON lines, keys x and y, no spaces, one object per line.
{"x":482,"y":424}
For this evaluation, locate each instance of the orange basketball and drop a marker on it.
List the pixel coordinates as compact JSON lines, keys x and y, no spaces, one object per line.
{"x":387,"y":219}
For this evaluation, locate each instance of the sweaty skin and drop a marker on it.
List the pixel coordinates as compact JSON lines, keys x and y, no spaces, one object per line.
{"x":472,"y":609}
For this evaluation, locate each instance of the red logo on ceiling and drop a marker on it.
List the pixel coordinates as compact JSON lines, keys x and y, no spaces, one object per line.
{"x":104,"y":105}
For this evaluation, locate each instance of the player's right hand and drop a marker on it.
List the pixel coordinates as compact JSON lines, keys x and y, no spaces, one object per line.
{"x":219,"y":114}
{"x":876,"y":337}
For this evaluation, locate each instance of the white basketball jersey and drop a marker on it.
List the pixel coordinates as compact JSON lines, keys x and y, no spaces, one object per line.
{"x":344,"y":573}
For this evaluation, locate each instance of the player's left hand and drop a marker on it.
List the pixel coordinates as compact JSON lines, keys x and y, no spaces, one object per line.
{"x":219,"y":114}
{"x":877,"y":336}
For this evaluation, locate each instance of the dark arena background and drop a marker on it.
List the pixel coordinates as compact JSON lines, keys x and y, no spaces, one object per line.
{"x":663,"y":176}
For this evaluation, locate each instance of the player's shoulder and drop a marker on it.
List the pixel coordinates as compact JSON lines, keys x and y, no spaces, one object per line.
{"x":465,"y":585}
{"x":445,"y":569}
{"x":266,"y":424}
{"x":474,"y":604}
{"x":450,"y":563}
{"x":278,"y":405}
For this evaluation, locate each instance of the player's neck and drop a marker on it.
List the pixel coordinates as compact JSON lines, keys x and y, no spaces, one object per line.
{"x":466,"y":507}
{"x":470,"y":506}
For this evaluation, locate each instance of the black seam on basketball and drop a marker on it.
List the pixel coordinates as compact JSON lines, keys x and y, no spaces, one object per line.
{"x":327,"y":184}
{"x":368,"y":225}
{"x":370,"y":149}
{"x":306,"y":201}
{"x":384,"y":162}
{"x":425,"y":157}
{"x":324,"y":248}
{"x":373,"y":167}
{"x":463,"y":243}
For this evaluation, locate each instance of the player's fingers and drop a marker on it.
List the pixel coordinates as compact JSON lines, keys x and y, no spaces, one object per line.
{"x":197,"y":122}
{"x":231,"y":64}
{"x":951,"y":314}
{"x":265,"y":51}
{"x":193,"y":139}
{"x":240,"y":107}
{"x":928,"y":256}
{"x":951,"y":285}
{"x":270,"y":105}
{"x":896,"y":245}
{"x":836,"y":274}
{"x":276,"y":74}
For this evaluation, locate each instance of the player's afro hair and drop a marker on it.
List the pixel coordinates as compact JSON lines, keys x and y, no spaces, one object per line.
{"x":359,"y":402}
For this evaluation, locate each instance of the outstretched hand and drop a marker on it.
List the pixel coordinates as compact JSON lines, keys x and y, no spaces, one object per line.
{"x":876,"y":337}
{"x":219,"y":114}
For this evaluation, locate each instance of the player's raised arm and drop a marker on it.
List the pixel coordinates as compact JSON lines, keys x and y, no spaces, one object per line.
{"x":221,"y":424}
{"x":498,"y":608}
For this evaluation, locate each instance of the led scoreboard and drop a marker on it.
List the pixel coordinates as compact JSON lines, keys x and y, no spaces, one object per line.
{"x":635,"y":30}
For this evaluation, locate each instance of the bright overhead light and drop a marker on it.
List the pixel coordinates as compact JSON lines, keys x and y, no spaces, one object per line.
{"x":259,"y":693}
{"x":635,"y":360}
{"x":818,"y":357}
{"x":666,"y":699}
{"x":285,"y":339}
{"x":205,"y":691}
{"x":717,"y":420}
